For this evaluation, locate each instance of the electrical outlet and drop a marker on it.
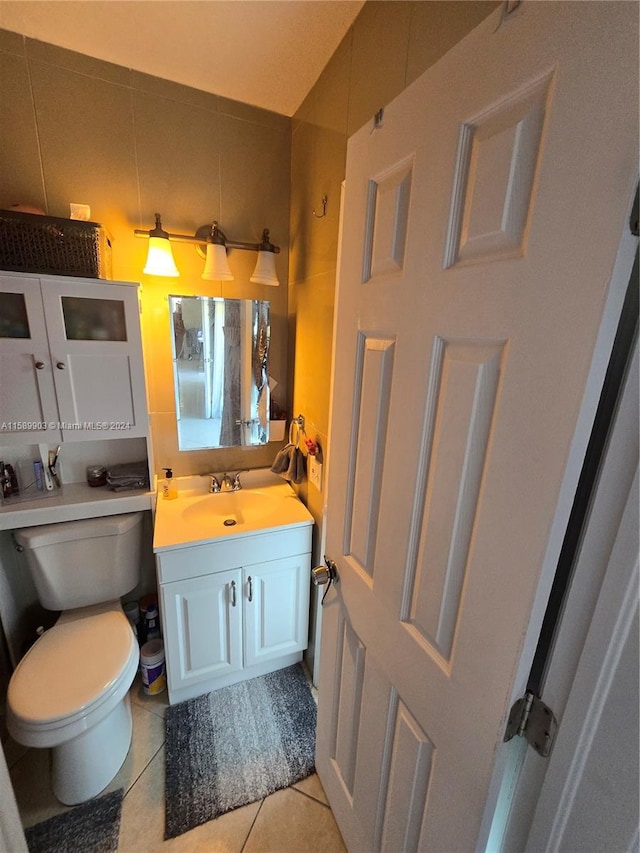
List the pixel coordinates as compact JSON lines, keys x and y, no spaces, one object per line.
{"x":315,"y":472}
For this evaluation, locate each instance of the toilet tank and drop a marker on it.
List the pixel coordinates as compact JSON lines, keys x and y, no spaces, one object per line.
{"x":79,"y":563}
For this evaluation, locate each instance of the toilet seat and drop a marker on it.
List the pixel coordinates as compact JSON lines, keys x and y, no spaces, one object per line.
{"x":72,"y":670}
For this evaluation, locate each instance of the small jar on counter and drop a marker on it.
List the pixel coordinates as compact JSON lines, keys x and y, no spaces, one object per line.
{"x":97,"y":475}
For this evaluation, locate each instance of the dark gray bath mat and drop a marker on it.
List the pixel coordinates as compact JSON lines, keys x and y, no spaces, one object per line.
{"x":236,"y":745}
{"x":92,"y":827}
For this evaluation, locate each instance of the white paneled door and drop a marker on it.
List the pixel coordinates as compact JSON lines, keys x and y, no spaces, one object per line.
{"x":484,"y":259}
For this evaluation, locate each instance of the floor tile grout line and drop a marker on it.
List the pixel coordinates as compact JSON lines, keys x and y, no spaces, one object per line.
{"x":144,"y":770}
{"x":253,"y":823}
{"x":17,"y":761}
{"x":310,"y":797}
{"x":150,"y":709}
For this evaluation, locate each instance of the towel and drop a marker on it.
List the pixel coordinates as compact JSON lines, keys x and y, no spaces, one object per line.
{"x":283,"y":459}
{"x":130,"y":475}
{"x":295,"y":471}
{"x":289,"y":463}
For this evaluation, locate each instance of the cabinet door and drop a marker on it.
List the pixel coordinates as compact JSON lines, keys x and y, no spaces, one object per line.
{"x":96,"y":349}
{"x":276,"y":608}
{"x":28,"y":408}
{"x":202,"y":627}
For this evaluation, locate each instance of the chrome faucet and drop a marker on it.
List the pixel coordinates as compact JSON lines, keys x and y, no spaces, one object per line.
{"x":226,"y":485}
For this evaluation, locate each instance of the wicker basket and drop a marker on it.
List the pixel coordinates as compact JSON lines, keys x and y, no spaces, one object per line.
{"x":47,"y":244}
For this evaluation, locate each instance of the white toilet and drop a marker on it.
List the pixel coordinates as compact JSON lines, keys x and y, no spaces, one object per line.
{"x":70,"y":691}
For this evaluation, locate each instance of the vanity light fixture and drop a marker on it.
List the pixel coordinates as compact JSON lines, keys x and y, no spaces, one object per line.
{"x":216,"y":266}
{"x":160,"y":257}
{"x":265,"y":271}
{"x":212,"y":244}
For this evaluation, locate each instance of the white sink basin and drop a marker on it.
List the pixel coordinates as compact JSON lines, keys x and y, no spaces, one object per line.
{"x":238,"y":507}
{"x":264,"y":502}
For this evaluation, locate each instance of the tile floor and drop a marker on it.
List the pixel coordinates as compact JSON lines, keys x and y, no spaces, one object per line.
{"x":295,"y":820}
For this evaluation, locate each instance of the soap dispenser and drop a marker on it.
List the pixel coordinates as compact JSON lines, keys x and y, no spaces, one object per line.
{"x":169,"y":491}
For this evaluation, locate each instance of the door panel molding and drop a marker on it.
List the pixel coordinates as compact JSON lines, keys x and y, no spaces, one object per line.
{"x":371,"y":414}
{"x":499,"y":153}
{"x":347,"y":704}
{"x":406,"y":778}
{"x":388,"y":197}
{"x":461,"y":408}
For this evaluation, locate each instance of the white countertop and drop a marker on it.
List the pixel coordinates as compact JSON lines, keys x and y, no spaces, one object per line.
{"x":72,"y":502}
{"x":176,"y":526}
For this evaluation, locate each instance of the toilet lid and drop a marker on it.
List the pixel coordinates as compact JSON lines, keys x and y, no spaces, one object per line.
{"x":71,"y":667}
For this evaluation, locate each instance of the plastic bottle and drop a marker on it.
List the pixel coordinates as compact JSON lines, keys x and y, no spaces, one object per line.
{"x":5,"y":482}
{"x":152,"y":666}
{"x":169,"y":491}
{"x":152,"y":623}
{"x":11,"y":474}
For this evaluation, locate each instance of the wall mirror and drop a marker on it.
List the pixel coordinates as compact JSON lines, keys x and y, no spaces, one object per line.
{"x":220,"y":371}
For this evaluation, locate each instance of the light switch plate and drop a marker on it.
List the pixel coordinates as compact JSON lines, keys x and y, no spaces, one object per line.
{"x":315,"y":472}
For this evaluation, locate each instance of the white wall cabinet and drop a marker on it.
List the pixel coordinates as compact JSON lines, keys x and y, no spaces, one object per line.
{"x":224,"y":623}
{"x":71,"y":366}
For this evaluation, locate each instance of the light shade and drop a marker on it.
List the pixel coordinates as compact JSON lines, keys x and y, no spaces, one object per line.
{"x":265,"y":271}
{"x":216,"y":266}
{"x":160,"y":258}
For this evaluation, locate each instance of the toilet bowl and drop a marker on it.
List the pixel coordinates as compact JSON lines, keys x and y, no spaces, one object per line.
{"x":70,"y":692}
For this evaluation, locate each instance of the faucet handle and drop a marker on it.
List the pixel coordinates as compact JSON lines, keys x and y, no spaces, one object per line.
{"x":236,"y":480}
{"x":214,"y":484}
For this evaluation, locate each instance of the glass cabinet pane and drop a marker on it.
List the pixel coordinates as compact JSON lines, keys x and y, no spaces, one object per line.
{"x":13,"y":316}
{"x":94,"y":319}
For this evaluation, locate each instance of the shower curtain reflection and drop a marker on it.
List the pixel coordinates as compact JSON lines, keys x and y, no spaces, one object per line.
{"x":231,"y":433}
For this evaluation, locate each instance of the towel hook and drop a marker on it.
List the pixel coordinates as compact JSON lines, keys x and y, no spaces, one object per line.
{"x":324,"y":209}
{"x":298,"y":422}
{"x":377,"y":120}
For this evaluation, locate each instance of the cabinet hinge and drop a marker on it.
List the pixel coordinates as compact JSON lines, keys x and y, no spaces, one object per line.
{"x":532,"y":719}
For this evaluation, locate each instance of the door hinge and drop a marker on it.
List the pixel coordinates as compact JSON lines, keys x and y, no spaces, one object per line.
{"x":532,"y":719}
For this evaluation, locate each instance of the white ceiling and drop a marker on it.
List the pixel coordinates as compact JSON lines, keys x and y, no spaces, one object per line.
{"x":268,"y":53}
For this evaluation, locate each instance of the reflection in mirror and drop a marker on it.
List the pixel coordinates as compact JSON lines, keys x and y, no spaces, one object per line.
{"x":220,"y":371}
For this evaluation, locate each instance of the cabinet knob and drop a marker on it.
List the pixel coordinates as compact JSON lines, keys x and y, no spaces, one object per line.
{"x":60,"y":365}
{"x":39,"y":365}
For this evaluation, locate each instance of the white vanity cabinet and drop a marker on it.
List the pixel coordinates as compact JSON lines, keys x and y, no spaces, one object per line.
{"x":202,"y":628}
{"x":234,"y":609}
{"x":71,"y":365}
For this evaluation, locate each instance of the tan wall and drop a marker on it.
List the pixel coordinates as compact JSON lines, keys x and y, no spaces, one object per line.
{"x":76,"y":129}
{"x":390,"y":44}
